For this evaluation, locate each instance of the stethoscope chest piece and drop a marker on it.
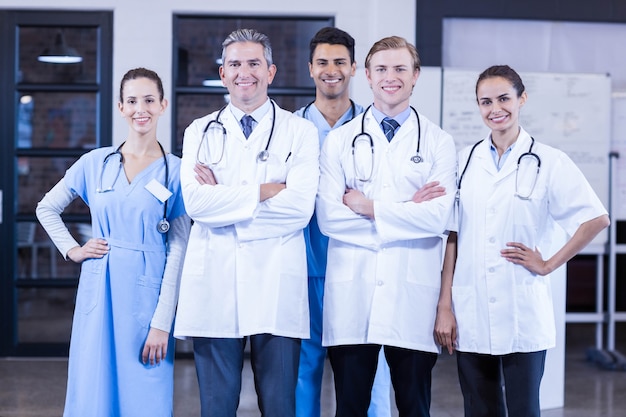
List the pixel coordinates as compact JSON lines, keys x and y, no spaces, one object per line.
{"x":263,"y":156}
{"x":163,"y":226}
{"x":417,"y":159}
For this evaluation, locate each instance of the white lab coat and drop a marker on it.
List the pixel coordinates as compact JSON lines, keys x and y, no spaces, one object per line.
{"x":245,"y":267}
{"x":501,"y":307}
{"x":383,"y":275}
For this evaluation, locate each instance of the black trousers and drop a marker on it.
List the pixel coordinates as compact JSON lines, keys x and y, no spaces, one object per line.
{"x":483,"y":378}
{"x":354,"y":369}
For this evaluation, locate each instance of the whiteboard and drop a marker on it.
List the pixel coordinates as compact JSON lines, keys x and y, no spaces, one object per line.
{"x":571,"y":112}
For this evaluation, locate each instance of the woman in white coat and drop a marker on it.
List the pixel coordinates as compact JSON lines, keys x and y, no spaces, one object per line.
{"x":495,"y":305}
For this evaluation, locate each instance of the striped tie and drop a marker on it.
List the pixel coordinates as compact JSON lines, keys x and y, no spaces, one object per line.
{"x":389,"y":127}
{"x":246,"y":125}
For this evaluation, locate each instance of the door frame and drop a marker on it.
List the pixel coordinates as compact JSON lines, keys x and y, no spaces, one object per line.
{"x":10,"y":283}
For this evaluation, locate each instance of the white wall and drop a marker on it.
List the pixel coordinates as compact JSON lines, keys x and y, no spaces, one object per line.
{"x":143,"y":30}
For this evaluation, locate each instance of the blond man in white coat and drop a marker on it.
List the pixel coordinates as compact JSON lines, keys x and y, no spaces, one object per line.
{"x":250,"y":189}
{"x":383,"y":204}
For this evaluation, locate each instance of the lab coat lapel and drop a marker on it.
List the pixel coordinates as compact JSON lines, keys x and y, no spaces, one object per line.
{"x":521,"y":146}
{"x":407,"y":131}
{"x":262,"y":129}
{"x":484,"y":159}
{"x":483,"y":152}
{"x":233,"y":127}
{"x":373,"y":128}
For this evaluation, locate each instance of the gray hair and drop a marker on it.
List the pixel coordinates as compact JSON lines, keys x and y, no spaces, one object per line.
{"x":248,"y":35}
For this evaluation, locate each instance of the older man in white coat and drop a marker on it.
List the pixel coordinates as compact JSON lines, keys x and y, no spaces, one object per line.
{"x":382,"y":202}
{"x":249,"y":176}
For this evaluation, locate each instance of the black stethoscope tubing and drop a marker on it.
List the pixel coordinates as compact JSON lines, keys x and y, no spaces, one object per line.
{"x":264,"y":154}
{"x":163,"y":226}
{"x":352,"y":111}
{"x":519,"y":160}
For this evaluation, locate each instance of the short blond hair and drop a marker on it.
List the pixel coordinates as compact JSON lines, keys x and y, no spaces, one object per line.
{"x":394,"y":42}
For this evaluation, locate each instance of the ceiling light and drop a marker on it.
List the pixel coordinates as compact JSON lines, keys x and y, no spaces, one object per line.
{"x":213,"y":83}
{"x":60,"y":53}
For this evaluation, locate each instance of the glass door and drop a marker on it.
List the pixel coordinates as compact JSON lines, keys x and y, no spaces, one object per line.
{"x":57,"y":79}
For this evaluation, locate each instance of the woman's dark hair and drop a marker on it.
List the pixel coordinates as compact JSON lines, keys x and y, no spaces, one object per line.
{"x":505,"y":72}
{"x":142,"y":73}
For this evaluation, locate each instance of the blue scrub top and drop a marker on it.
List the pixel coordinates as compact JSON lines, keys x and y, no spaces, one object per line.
{"x":316,"y":242}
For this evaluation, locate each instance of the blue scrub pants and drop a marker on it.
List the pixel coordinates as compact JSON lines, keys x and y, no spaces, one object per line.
{"x":219,"y":363}
{"x":354,"y":367}
{"x":313,"y":356}
{"x":483,"y":378}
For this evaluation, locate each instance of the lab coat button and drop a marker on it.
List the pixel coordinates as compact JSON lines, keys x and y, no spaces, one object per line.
{"x":491,"y":269}
{"x":380,"y":283}
{"x":492,"y":300}
{"x":492,"y":240}
{"x":244,"y":182}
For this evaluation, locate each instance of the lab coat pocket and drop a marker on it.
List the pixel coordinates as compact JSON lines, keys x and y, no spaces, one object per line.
{"x":416,"y":174}
{"x":535,"y":310}
{"x":147,"y":291}
{"x":90,"y":285}
{"x":529,"y":218}
{"x":343,"y":264}
{"x":276,"y":168}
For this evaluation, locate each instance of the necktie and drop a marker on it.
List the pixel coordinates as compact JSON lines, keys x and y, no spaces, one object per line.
{"x":389,"y":127}
{"x":246,"y":125}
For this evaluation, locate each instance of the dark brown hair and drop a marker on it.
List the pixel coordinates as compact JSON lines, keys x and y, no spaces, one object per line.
{"x":142,"y":73}
{"x":505,"y":72}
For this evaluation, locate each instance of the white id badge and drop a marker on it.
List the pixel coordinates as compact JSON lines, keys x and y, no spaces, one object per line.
{"x":158,"y":190}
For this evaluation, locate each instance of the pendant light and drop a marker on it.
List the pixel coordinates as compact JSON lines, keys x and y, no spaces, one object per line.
{"x":60,"y":53}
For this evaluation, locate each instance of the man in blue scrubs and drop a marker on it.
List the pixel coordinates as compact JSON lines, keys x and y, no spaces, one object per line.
{"x":331,"y":65}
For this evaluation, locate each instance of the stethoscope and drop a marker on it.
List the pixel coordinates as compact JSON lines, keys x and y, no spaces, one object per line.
{"x":163,"y":226}
{"x":530,"y":154}
{"x":263,"y":156}
{"x":352,"y":111}
{"x":417,"y":158}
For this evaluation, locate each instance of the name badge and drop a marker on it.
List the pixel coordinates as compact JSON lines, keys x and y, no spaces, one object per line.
{"x":158,"y":190}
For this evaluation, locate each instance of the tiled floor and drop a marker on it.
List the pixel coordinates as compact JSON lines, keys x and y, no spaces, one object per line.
{"x":36,"y":387}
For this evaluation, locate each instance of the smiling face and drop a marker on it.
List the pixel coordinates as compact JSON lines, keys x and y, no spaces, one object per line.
{"x":391,"y":76}
{"x":331,"y":70}
{"x":246,"y":75}
{"x":140,"y":105}
{"x":499,"y":104}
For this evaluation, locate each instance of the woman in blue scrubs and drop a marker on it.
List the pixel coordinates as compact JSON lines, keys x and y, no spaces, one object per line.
{"x":121,"y":349}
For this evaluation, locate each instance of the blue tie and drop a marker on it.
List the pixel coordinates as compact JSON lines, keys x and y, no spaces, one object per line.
{"x":389,"y":127}
{"x":246,"y":125}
